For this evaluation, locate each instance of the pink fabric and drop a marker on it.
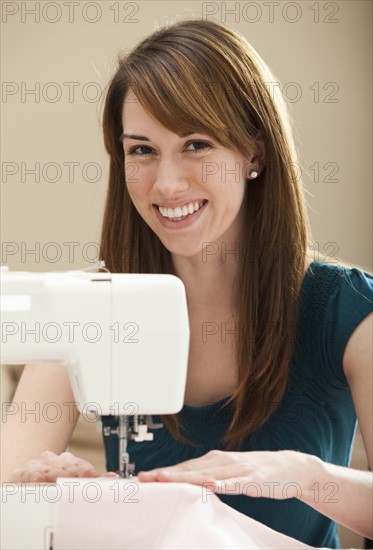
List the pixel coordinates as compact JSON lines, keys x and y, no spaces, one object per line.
{"x":119,"y":514}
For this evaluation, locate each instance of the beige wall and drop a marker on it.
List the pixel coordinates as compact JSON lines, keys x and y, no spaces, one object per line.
{"x":319,"y":51}
{"x":322,"y":58}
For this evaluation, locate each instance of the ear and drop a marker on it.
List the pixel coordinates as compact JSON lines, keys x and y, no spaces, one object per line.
{"x":257,"y":160}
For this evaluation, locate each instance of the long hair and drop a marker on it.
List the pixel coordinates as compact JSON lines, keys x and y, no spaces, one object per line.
{"x":202,"y":76}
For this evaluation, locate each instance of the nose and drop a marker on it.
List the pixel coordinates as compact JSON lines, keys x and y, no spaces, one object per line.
{"x":170,"y":179}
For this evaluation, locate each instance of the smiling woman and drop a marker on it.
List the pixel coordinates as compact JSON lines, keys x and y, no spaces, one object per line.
{"x":203,"y":158}
{"x":181,"y":81}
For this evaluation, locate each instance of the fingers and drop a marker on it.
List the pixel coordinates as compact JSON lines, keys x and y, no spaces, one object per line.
{"x":48,"y":455}
{"x":195,"y":477}
{"x":192,"y":465}
{"x":49,"y":466}
{"x":218,"y":469}
{"x":148,"y":476}
{"x":206,"y":479}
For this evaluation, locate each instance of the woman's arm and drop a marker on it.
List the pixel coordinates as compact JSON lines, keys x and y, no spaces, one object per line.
{"x":352,"y":504}
{"x":342,"y":494}
{"x":41,"y":418}
{"x":358,"y":368}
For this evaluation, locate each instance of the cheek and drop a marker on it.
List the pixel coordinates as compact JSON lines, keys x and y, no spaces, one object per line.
{"x":232,"y":202}
{"x":200,"y":172}
{"x":139,"y":204}
{"x":131,"y":171}
{"x":133,"y":191}
{"x":136,"y":186}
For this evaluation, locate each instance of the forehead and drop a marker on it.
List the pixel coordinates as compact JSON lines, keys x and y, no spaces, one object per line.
{"x":134,"y":115}
{"x":136,"y":120}
{"x":132,"y":109}
{"x":172,"y":118}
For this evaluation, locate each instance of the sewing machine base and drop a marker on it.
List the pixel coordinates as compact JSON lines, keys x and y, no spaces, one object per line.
{"x":26,"y":518}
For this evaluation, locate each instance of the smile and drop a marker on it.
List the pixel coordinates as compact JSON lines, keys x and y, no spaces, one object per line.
{"x":181,"y":212}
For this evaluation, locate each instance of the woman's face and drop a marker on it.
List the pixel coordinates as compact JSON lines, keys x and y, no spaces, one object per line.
{"x":189,"y":189}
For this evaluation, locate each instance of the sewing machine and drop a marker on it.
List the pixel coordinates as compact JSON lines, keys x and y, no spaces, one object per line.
{"x":124,"y":339}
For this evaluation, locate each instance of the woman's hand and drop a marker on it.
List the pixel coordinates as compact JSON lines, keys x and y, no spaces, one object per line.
{"x":342,"y":494}
{"x":271,"y":474}
{"x":49,"y":466}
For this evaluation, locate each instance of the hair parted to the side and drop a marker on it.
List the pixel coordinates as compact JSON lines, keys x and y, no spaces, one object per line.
{"x":202,"y":76}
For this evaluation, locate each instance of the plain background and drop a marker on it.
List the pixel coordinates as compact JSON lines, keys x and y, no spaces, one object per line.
{"x":57,"y":58}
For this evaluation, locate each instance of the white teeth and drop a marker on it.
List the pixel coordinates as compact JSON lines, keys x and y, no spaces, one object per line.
{"x":178,"y":212}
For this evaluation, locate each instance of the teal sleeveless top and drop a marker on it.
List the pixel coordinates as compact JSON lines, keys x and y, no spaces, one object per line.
{"x":316,"y":415}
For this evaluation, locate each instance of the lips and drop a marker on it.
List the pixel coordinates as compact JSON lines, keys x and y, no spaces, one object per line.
{"x":181,"y":211}
{"x":180,"y":222}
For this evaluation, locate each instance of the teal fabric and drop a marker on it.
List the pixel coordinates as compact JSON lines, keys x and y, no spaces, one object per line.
{"x":316,"y":415}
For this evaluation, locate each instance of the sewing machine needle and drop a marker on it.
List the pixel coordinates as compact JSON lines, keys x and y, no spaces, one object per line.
{"x":123,"y":438}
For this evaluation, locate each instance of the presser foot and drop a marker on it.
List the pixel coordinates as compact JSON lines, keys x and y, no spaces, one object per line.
{"x":128,"y":471}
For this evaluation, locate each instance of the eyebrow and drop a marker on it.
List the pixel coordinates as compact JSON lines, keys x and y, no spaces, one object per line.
{"x":144,"y":138}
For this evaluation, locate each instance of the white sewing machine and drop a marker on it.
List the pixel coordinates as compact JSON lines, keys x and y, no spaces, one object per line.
{"x":124,"y":339}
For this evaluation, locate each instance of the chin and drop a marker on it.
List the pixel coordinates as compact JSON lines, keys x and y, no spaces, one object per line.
{"x":186,"y":251}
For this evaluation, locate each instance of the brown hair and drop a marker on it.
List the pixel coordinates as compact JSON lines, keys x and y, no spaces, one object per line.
{"x":201,"y":76}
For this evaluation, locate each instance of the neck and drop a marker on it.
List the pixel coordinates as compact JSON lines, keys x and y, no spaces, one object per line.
{"x":210,"y":278}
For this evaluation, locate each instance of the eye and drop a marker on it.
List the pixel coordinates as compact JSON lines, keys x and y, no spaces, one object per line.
{"x":198,"y":146}
{"x":140,"y":151}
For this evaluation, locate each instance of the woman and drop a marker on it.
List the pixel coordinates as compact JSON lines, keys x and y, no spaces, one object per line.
{"x":203,"y":184}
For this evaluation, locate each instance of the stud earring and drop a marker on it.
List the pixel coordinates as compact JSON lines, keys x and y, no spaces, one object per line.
{"x":254,"y":174}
